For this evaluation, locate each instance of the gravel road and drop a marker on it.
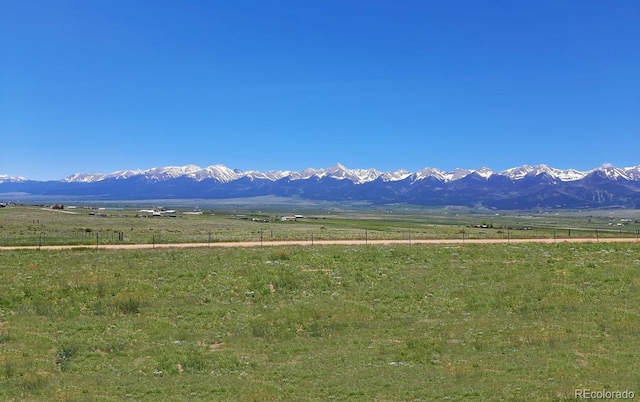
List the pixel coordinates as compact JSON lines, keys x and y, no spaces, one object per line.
{"x":321,"y":243}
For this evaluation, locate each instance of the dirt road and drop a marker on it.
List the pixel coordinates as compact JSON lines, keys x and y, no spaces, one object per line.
{"x":321,"y":243}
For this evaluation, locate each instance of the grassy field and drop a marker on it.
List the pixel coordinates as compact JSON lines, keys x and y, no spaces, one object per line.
{"x":33,"y":226}
{"x":397,"y":323}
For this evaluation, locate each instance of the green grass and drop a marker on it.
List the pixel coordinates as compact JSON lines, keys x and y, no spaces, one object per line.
{"x":490,"y":322}
{"x":34,"y":226}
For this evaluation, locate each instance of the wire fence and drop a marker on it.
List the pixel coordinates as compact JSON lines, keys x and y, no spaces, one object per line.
{"x":88,"y":237}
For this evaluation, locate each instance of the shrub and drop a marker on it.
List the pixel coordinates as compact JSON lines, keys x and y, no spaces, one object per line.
{"x":64,"y":355}
{"x":129,"y":305}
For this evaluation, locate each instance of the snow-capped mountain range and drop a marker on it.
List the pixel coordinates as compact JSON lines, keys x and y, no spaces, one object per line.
{"x":224,"y":174}
{"x":522,"y":187}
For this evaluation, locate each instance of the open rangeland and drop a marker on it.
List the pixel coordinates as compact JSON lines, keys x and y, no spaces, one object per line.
{"x":516,"y":321}
{"x":91,"y":226}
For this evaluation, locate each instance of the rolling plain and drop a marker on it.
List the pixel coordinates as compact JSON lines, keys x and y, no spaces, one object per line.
{"x":459,"y":320}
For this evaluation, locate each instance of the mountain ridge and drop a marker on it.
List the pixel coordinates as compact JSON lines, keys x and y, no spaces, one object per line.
{"x":522,"y":187}
{"x":225,"y":174}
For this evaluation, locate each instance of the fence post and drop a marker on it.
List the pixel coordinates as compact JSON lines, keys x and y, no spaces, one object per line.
{"x":97,"y":240}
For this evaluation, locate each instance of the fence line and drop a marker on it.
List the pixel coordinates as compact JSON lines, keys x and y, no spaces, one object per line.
{"x":87,"y":237}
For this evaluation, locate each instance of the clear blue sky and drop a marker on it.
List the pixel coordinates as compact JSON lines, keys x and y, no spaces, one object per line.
{"x":99,"y":86}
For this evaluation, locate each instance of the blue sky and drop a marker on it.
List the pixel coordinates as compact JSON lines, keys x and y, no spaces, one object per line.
{"x":99,"y":86}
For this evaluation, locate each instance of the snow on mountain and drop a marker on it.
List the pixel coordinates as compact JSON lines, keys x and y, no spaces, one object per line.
{"x":633,"y":172}
{"x":305,"y":174}
{"x":458,"y":174}
{"x":441,"y":175}
{"x":397,"y":175}
{"x":614,"y":173}
{"x":431,"y":172}
{"x":270,"y":175}
{"x":366,"y":175}
{"x":518,"y":173}
{"x":218,"y":172}
{"x":94,"y":177}
{"x":484,"y":172}
{"x":338,"y":171}
{"x":604,"y":186}
{"x":123,"y":174}
{"x":11,"y":179}
{"x":84,"y":177}
{"x":170,"y":172}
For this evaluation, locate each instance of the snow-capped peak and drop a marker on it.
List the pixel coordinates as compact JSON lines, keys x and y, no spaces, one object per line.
{"x":223,"y":174}
{"x":337,"y":171}
{"x":633,"y":172}
{"x":84,"y":177}
{"x":4,"y":178}
{"x":457,"y":174}
{"x":218,"y":172}
{"x":364,"y":175}
{"x":397,"y":175}
{"x":441,"y":175}
{"x":484,"y":172}
{"x":305,"y":174}
{"x":170,"y":172}
{"x":358,"y":176}
{"x":93,"y":177}
{"x":431,"y":172}
{"x":614,"y":173}
{"x":518,"y":173}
